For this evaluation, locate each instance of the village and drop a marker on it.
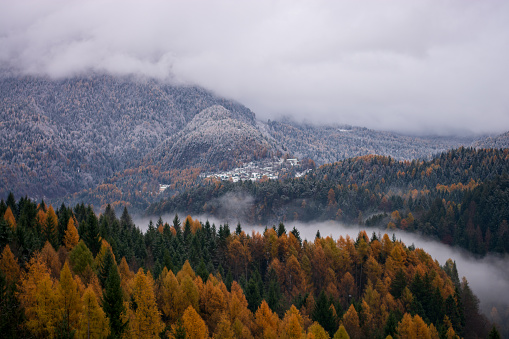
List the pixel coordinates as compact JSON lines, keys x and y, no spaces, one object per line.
{"x":254,"y":171}
{"x":268,"y":169}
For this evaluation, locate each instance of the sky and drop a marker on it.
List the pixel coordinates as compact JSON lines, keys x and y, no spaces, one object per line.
{"x":425,"y":67}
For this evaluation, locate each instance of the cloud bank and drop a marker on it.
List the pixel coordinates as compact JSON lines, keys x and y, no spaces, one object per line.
{"x":418,"y":66}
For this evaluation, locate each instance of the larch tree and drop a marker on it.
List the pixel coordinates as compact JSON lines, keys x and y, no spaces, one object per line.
{"x":71,"y":237}
{"x":190,"y":293}
{"x":145,"y":320}
{"x":238,"y":306}
{"x":351,"y":323}
{"x":50,"y":258}
{"x":341,"y":333}
{"x":212,"y":303}
{"x":37,"y":296}
{"x":266,"y":321}
{"x":318,"y":331}
{"x":68,"y":300}
{"x":9,"y":217}
{"x":224,"y":329}
{"x":171,"y":298}
{"x":194,"y":325}
{"x":9,"y":265}
{"x":93,"y":322}
{"x":292,"y":325}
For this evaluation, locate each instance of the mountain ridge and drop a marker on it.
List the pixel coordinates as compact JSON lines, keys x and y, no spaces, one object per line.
{"x":106,"y":134}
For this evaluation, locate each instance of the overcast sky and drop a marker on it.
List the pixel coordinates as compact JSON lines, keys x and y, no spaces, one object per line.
{"x":411,"y":66}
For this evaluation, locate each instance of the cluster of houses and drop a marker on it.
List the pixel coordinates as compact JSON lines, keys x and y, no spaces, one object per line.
{"x":253,"y":171}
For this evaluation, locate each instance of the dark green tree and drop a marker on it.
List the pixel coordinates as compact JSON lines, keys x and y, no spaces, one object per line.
{"x":112,"y":302}
{"x":322,"y":313}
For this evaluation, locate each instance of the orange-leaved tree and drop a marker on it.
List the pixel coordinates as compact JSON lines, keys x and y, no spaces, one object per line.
{"x":145,"y":320}
{"x":71,"y":237}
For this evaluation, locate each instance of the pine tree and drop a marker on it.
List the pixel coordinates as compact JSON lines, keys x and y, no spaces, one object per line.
{"x":51,"y":227}
{"x":323,"y":314}
{"x":112,"y":302}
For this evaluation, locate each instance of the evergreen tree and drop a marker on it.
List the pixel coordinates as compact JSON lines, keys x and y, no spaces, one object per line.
{"x":323,"y":314}
{"x":112,"y":302}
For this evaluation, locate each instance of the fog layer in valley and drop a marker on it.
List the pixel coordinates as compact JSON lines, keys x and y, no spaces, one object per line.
{"x":488,"y":277}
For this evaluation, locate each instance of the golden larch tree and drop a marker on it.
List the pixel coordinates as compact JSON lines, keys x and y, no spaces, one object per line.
{"x":237,"y":306}
{"x":93,"y":322}
{"x":9,"y":218}
{"x":291,"y":326}
{"x":9,"y":265}
{"x":171,"y":299}
{"x":194,"y":325}
{"x":190,"y":293}
{"x":224,"y":329}
{"x":266,"y":322}
{"x":71,"y":237}
{"x":68,"y":299}
{"x":212,"y":303}
{"x":341,"y":333}
{"x":50,"y":257}
{"x":37,"y":296}
{"x":318,"y":331}
{"x":145,"y":320}
{"x":351,"y":323}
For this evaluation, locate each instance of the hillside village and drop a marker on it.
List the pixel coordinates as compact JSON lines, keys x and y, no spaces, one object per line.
{"x":268,"y":169}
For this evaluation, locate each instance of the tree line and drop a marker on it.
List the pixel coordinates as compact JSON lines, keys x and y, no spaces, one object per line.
{"x":459,"y":197}
{"x":71,"y":273}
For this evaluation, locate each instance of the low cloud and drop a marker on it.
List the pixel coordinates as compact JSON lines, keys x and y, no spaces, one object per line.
{"x":423,"y":67}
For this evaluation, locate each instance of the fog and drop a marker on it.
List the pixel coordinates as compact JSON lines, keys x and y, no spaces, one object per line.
{"x":488,"y":277}
{"x":411,"y":66}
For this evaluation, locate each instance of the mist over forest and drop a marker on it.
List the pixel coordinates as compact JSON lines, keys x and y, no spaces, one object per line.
{"x":488,"y":276}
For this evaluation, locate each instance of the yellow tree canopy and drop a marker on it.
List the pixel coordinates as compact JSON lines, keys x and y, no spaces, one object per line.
{"x":194,"y":325}
{"x":145,"y":321}
{"x":9,"y":265}
{"x":9,"y":217}
{"x":68,"y":299}
{"x":93,"y":322}
{"x":37,"y":296}
{"x":71,"y":237}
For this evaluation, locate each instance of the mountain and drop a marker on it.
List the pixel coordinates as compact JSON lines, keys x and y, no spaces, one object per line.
{"x":104,"y":139}
{"x":62,"y":136}
{"x":328,"y":144}
{"x":213,"y":139}
{"x":498,"y":141}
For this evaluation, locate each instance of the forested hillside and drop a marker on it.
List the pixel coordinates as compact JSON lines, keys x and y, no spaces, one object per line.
{"x":62,"y":136}
{"x":328,"y":144}
{"x":459,"y":197}
{"x":105,"y":139}
{"x":69,"y":273}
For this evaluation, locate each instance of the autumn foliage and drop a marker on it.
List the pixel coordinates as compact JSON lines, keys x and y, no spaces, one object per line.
{"x":200,"y":281}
